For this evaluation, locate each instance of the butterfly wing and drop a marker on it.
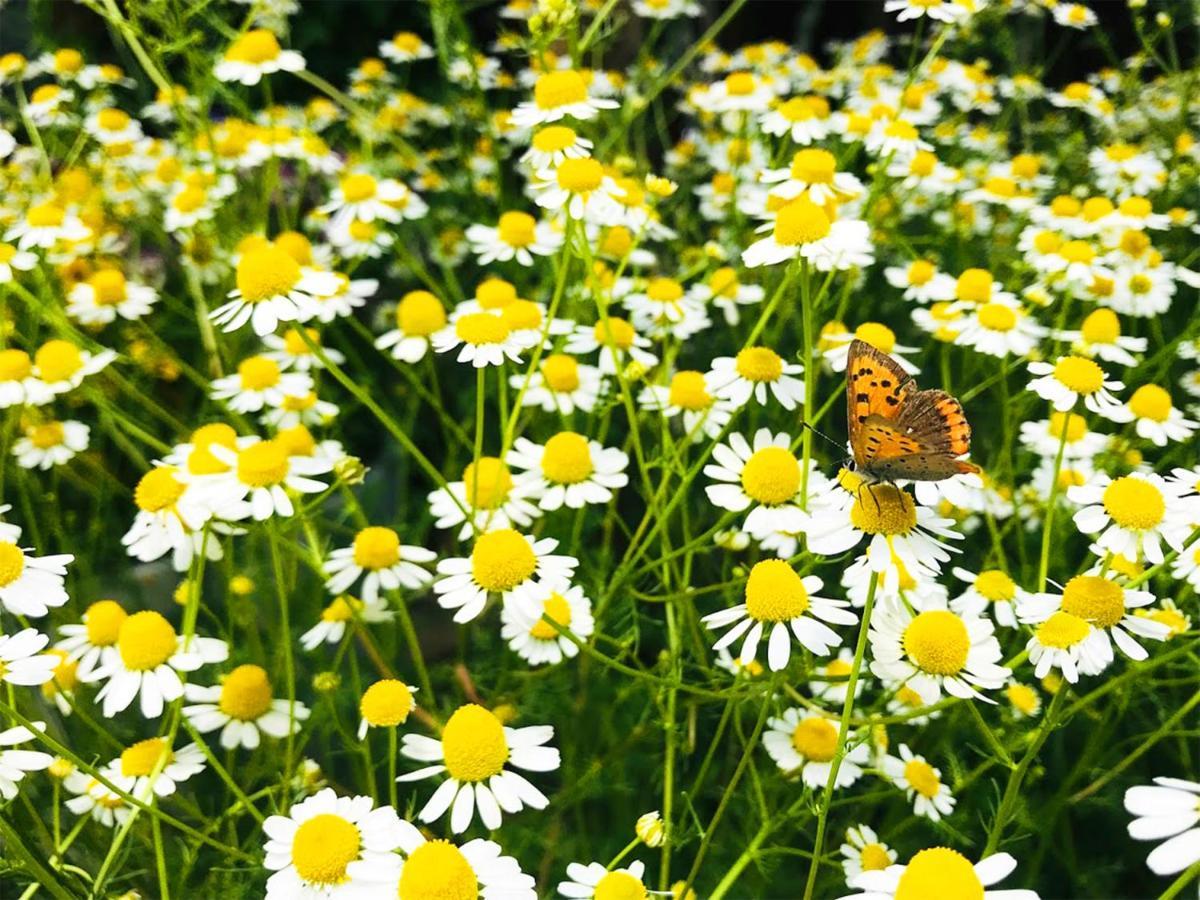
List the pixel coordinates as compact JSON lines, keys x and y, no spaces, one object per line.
{"x":875,"y":386}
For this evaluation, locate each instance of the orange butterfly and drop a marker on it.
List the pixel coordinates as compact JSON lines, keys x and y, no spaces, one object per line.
{"x":896,"y":431}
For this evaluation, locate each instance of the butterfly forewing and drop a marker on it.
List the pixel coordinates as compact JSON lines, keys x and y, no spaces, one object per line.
{"x":875,"y":386}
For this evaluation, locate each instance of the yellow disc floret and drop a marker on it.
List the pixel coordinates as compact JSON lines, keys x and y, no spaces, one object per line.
{"x":1094,"y":599}
{"x":775,"y":592}
{"x":502,"y":559}
{"x":474,"y":747}
{"x":815,"y":738}
{"x":937,"y":641}
{"x":146,"y":640}
{"x":245,"y":693}
{"x":942,"y":873}
{"x":437,"y":870}
{"x":323,"y":847}
{"x":1134,"y":503}
{"x":567,"y":459}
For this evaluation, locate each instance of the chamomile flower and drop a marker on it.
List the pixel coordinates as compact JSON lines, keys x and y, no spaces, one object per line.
{"x":579,"y":187}
{"x":260,"y":474}
{"x":864,"y":852}
{"x":151,"y":768}
{"x":150,"y":655}
{"x":813,"y":175}
{"x":31,"y":585}
{"x":18,"y":383}
{"x":486,"y":497}
{"x":920,"y":280}
{"x":727,"y":293}
{"x":1168,"y":809}
{"x":778,"y":598}
{"x":595,"y":881}
{"x":106,"y":295}
{"x":61,"y":366}
{"x":876,"y":334}
{"x":44,"y":225}
{"x":936,"y":10}
{"x":478,"y":754}
{"x":568,"y":470}
{"x":753,"y":372}
{"x":1104,"y":605}
{"x":618,"y":342}
{"x":1133,"y":515}
{"x":503,"y":562}
{"x":1044,"y":437}
{"x":687,"y":396}
{"x":1068,"y":643}
{"x":551,"y":145}
{"x":936,"y":650}
{"x":93,"y":642}
{"x":931,"y":797}
{"x":940,"y":872}
{"x":254,"y":54}
{"x":385,"y":704}
{"x":483,"y":339}
{"x":13,"y":259}
{"x":404,"y":46}
{"x":537,"y":641}
{"x":244,"y":707}
{"x":1072,"y":377}
{"x":804,"y":119}
{"x":95,"y":799}
{"x":1155,"y":418}
{"x":419,"y":316}
{"x":50,"y":443}
{"x":802,"y":228}
{"x":561,"y":383}
{"x":335,"y":618}
{"x":1100,"y":335}
{"x":831,"y":683}
{"x":15,"y":764}
{"x":1000,"y":327}
{"x":271,"y":288}
{"x":22,"y":661}
{"x":477,"y":868}
{"x":517,"y":235}
{"x":377,"y":556}
{"x":990,"y":590}
{"x":804,"y":744}
{"x":556,"y":95}
{"x":766,"y":476}
{"x":332,"y":847}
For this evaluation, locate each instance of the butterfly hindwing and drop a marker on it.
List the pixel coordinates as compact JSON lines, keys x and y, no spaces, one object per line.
{"x":937,"y":421}
{"x":875,"y":386}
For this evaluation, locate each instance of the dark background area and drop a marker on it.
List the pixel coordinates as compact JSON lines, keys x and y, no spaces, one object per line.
{"x":335,"y":35}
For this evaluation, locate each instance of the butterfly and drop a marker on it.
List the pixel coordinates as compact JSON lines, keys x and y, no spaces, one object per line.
{"x":898,"y":432}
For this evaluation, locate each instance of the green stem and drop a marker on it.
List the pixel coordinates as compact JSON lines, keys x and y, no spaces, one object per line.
{"x":1044,"y":564}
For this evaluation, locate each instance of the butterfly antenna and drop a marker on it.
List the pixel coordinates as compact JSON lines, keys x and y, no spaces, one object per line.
{"x":809,"y":426}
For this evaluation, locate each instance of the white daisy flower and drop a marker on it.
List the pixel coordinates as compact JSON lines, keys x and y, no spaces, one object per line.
{"x":332,"y":847}
{"x":517,"y":235}
{"x":477,"y":754}
{"x":21,"y":658}
{"x":254,"y":54}
{"x":561,"y":384}
{"x":921,"y":281}
{"x":989,"y":590}
{"x":1134,"y":514}
{"x":133,"y":770}
{"x":579,"y":187}
{"x":44,"y":225}
{"x":503,"y":562}
{"x":1169,"y":809}
{"x":777,"y":599}
{"x":419,"y":316}
{"x":377,"y":552}
{"x":31,"y":585}
{"x":94,"y":799}
{"x":1100,"y":335}
{"x":14,"y":764}
{"x":1068,"y":643}
{"x":51,"y":443}
{"x":11,"y":258}
{"x":150,"y":655}
{"x":18,"y":383}
{"x":618,"y":342}
{"x":477,"y":868}
{"x":804,"y":744}
{"x":243,"y":707}
{"x":595,"y":881}
{"x":936,"y":649}
{"x":404,"y":46}
{"x":483,"y":339}
{"x":551,"y":145}
{"x":568,"y":470}
{"x":802,"y":228}
{"x":558,"y":94}
{"x":864,"y":852}
{"x":337,"y":615}
{"x":93,"y":642}
{"x":687,"y":396}
{"x":261,"y":473}
{"x":998,"y":328}
{"x":931,"y":797}
{"x":813,"y":175}
{"x":538,"y":642}
{"x":766,"y":476}
{"x":951,"y":872}
{"x":1044,"y":437}
{"x":1072,"y":377}
{"x":1156,"y":418}
{"x":272,"y":288}
{"x":753,"y":372}
{"x":485,"y":498}
{"x":62,"y":366}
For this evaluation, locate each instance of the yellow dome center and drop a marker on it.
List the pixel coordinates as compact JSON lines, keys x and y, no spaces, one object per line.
{"x":557,"y":609}
{"x":263,"y":464}
{"x":58,"y":360}
{"x":245,"y":693}
{"x":815,"y":738}
{"x":555,"y":89}
{"x":1151,"y":402}
{"x":561,"y":373}
{"x":254,"y":47}
{"x":619,"y":886}
{"x":554,"y":139}
{"x":158,"y":489}
{"x":517,"y":229}
{"x":1094,"y":599}
{"x":877,"y":335}
{"x":323,"y":847}
{"x":771,"y":476}
{"x":103,"y":620}
{"x":775,"y":592}
{"x":579,"y":176}
{"x":376,"y":547}
{"x":759,"y":364}
{"x":108,"y":287}
{"x":994,"y":585}
{"x":814,"y":166}
{"x":201,"y":460}
{"x":386,"y":703}
{"x":937,"y":642}
{"x":501,"y":560}
{"x":801,"y":222}
{"x":622,"y":333}
{"x":942,"y":873}
{"x":419,"y":314}
{"x":141,"y":758}
{"x":1101,"y":327}
{"x":567,"y":459}
{"x":487,"y":483}
{"x":1062,"y":630}
{"x":15,"y":365}
{"x":689,"y":391}
{"x":12,"y":563}
{"x":266,"y":272}
{"x":474,"y":747}
{"x":974,"y":286}
{"x":923,"y":778}
{"x":437,"y":870}
{"x":997,"y":317}
{"x":883,"y":509}
{"x":1134,"y":503}
{"x":1079,"y":374}
{"x":481,"y":328}
{"x":146,"y":640}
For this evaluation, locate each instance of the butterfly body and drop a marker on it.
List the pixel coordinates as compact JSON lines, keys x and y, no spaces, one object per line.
{"x":898,"y":432}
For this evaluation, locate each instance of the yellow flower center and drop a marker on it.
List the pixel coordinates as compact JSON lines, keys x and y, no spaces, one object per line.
{"x":561,"y":373}
{"x":342,"y":609}
{"x":12,"y":563}
{"x":938,"y":642}
{"x":522,"y":315}
{"x":46,"y":435}
{"x":1023,"y":698}
{"x":554,"y":139}
{"x":664,"y":290}
{"x":920,"y":272}
{"x":1101,"y":327}
{"x":688,"y":391}
{"x":323,"y":847}
{"x":245,"y":693}
{"x":567,"y":459}
{"x":386,"y":703}
{"x":618,"y":241}
{"x":555,"y":89}
{"x":774,"y":592}
{"x":997,"y":317}
{"x":254,"y":47}
{"x":495,"y":293}
{"x":924,"y":780}
{"x":262,"y":464}
{"x":481,"y":328}
{"x":437,"y":870}
{"x":1079,"y":374}
{"x":813,"y":166}
{"x":883,"y":509}
{"x":1151,"y":402}
{"x":621,"y":331}
{"x":771,"y":476}
{"x":473,"y":744}
{"x":739,"y":84}
{"x":266,"y":272}
{"x":295,"y":245}
{"x":58,"y":360}
{"x":1025,"y":165}
{"x":501,"y":560}
{"x":201,"y":460}
{"x":556,"y":608}
{"x":759,"y":364}
{"x":146,"y":640}
{"x":112,"y":119}
{"x":942,"y":873}
{"x":45,"y":215}
{"x":878,"y":336}
{"x":1077,"y":252}
{"x":67,"y":60}
{"x":994,"y":585}
{"x":358,"y":187}
{"x":517,"y":229}
{"x":103,"y":620}
{"x":1134,"y":243}
{"x":376,"y":547}
{"x":419,"y":314}
{"x":874,"y":857}
{"x":1075,"y":424}
{"x":15,"y":365}
{"x":801,"y":222}
{"x":189,"y":199}
{"x":815,"y":738}
{"x":578,"y":176}
{"x":619,"y":886}
{"x":141,"y":758}
{"x":1096,"y":208}
{"x":1047,"y":242}
{"x":974,"y":286}
{"x":1001,"y":187}
{"x":108,"y":287}
{"x":158,"y":489}
{"x":1062,"y":630}
{"x":1134,"y":503}
{"x":1094,"y":599}
{"x":487,"y":483}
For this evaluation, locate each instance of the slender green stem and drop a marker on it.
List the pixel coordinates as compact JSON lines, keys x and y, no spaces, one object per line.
{"x":1051,"y":501}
